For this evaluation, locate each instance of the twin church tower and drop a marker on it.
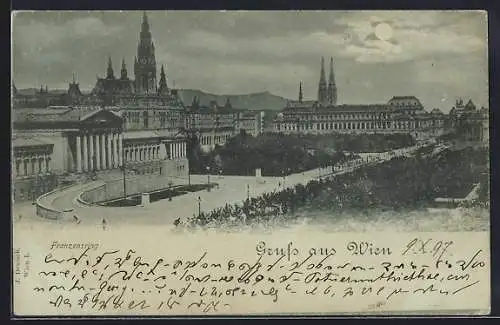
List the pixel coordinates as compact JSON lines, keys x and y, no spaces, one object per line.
{"x":327,"y":93}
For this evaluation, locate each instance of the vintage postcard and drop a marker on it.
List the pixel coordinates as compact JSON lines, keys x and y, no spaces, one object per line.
{"x":216,"y":163}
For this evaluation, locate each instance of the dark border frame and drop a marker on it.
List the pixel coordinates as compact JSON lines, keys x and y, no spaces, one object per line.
{"x":491,"y":6}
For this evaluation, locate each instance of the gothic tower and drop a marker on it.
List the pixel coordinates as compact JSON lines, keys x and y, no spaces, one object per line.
{"x":322,"y":89}
{"x":332,"y":88}
{"x":145,"y":62}
{"x":124,"y":75}
{"x":162,"y":87}
{"x":109,"y":72}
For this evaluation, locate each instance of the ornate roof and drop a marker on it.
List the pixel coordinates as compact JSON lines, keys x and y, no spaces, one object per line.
{"x":405,"y":101}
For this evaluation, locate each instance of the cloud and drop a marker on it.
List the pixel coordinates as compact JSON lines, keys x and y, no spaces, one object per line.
{"x":36,"y":36}
{"x":290,"y":45}
{"x":415,"y":36}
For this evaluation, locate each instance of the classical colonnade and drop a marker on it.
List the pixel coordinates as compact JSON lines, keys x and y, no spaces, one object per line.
{"x":98,"y":151}
{"x":147,"y":152}
{"x":31,"y":164}
{"x":176,"y":149}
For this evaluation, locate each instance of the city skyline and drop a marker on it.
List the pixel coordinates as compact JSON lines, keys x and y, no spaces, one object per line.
{"x":436,"y":56}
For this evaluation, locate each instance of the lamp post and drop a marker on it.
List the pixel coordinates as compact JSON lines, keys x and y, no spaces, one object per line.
{"x":199,"y":206}
{"x":208,"y":178}
{"x":123,"y":168}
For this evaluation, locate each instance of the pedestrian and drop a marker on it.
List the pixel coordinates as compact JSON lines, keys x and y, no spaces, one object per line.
{"x":103,"y":224}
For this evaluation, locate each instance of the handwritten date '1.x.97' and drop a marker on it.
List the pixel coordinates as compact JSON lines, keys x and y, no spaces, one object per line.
{"x":126,"y":280}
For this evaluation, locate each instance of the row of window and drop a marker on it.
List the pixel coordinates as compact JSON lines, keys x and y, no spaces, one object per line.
{"x":351,"y":116}
{"x":346,"y":126}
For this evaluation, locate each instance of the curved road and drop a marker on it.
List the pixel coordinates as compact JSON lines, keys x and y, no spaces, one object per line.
{"x":232,"y":189}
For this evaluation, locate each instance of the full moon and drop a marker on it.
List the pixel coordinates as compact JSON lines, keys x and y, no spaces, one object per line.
{"x":383,"y":31}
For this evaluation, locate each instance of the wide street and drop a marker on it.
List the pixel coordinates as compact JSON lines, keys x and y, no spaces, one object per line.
{"x":230,"y":190}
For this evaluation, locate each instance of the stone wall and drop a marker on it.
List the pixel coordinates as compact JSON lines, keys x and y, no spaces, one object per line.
{"x":48,"y":213}
{"x":136,"y":184}
{"x":30,"y":188}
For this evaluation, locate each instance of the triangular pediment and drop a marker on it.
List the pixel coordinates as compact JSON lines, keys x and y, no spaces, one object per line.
{"x":102,"y":118}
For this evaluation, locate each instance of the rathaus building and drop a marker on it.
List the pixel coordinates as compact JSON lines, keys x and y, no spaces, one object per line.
{"x":401,"y":114}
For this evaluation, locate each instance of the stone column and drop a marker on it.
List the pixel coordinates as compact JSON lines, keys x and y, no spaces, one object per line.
{"x":78,"y":154}
{"x":91,"y":152}
{"x":115,"y":151}
{"x":170,"y":150}
{"x":85,"y":153}
{"x":110,"y":152}
{"x":103,"y":151}
{"x":45,"y":159}
{"x":98,"y":151}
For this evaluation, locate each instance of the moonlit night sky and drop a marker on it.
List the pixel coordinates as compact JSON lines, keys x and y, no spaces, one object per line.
{"x":437,"y":56}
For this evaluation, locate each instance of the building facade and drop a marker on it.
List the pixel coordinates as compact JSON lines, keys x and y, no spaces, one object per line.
{"x":54,"y":145}
{"x":214,"y":124}
{"x":401,"y":114}
{"x":469,"y":122}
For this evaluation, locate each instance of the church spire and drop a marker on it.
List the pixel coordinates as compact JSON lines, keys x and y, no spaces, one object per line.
{"x":322,"y":89}
{"x":322,"y":76}
{"x":162,"y":87}
{"x":145,"y":23}
{"x":332,"y":88}
{"x":332,"y":76}
{"x":300,"y":92}
{"x":124,"y":75}
{"x":145,"y":62}
{"x":110,"y":73}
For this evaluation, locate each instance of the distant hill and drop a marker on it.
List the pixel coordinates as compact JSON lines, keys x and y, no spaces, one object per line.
{"x":33,"y":91}
{"x":257,"y":101}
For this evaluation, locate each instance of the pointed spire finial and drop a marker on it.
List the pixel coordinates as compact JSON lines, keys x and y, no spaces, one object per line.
{"x":123,"y":73}
{"x":110,"y":73}
{"x":322,"y":75}
{"x":145,"y":23}
{"x":331,"y":70}
{"x":300,"y":91}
